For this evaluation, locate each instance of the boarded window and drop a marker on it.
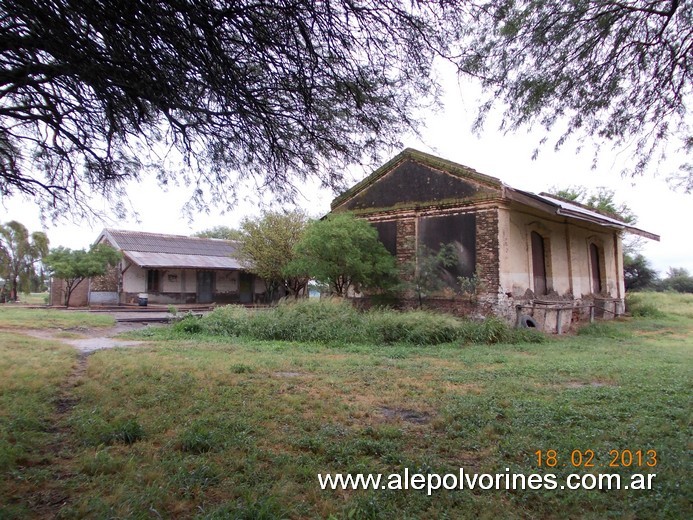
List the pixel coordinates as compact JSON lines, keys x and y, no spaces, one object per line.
{"x":458,"y":231}
{"x":153,"y":277}
{"x":205,"y":286}
{"x":387,"y":234}
{"x":539,"y":263}
{"x":595,"y":264}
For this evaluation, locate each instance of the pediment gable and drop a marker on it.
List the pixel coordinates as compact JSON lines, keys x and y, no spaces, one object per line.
{"x":417,"y":179}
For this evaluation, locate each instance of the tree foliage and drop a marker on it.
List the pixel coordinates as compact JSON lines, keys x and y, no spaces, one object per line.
{"x":603,"y":200}
{"x":617,"y":71}
{"x":94,"y":93}
{"x":638,"y":274}
{"x":75,"y":266}
{"x":266,"y":247}
{"x":220,"y":232}
{"x":678,"y":279}
{"x":422,"y":274}
{"x":344,"y":252}
{"x":20,"y":252}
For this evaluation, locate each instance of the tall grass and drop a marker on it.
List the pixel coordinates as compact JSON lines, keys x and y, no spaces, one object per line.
{"x":334,"y":321}
{"x":677,"y":304}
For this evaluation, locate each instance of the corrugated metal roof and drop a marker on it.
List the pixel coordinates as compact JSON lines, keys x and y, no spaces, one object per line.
{"x":580,"y":210}
{"x":568,"y":209}
{"x":158,"y":251}
{"x":174,"y":244}
{"x":178,"y":261}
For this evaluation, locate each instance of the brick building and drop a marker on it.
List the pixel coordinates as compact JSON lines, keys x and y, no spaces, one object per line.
{"x":528,"y":255}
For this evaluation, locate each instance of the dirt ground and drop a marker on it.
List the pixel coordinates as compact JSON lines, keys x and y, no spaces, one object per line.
{"x":88,"y":340}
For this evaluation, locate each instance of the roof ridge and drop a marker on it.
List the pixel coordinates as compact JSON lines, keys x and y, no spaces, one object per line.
{"x":165,"y":235}
{"x":432,"y":161}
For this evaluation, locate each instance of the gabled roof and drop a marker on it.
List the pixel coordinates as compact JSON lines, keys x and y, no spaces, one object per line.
{"x":431,"y":161}
{"x":487,"y":187}
{"x":159,"y":251}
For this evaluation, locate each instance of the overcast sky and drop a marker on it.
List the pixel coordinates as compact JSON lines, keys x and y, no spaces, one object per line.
{"x":447,"y":134}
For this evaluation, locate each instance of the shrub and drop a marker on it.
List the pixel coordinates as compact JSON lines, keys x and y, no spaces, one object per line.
{"x":326,"y":321}
{"x":642,"y":309}
{"x":415,"y":327}
{"x":335,"y":320}
{"x":229,"y":320}
{"x":527,"y":336}
{"x":487,"y":332}
{"x":189,"y":324}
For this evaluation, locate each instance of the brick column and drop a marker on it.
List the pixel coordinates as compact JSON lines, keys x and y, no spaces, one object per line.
{"x":406,"y":240}
{"x":487,"y":255}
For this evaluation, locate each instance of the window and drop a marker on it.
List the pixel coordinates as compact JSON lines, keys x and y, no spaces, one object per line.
{"x":596,"y":268}
{"x":153,"y":280}
{"x":539,"y":263}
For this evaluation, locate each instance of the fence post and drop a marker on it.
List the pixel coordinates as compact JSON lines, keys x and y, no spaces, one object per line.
{"x":518,"y":314}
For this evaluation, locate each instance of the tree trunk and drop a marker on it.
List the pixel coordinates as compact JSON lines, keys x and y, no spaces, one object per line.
{"x":13,"y":289}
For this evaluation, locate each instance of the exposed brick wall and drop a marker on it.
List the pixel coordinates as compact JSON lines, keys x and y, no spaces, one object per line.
{"x":107,"y":283}
{"x":79,"y":297}
{"x":406,"y":240}
{"x":460,"y":307}
{"x":487,"y":255}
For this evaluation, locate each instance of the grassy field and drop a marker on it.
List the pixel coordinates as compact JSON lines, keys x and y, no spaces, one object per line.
{"x":13,"y":316}
{"x":202,"y":426}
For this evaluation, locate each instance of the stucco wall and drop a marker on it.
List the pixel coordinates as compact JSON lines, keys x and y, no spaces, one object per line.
{"x":134,"y":279}
{"x":227,"y":281}
{"x":567,"y":256}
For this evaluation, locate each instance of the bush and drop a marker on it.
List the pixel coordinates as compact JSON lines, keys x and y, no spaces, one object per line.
{"x":528,"y":336}
{"x":642,"y":309}
{"x":415,"y":327}
{"x":189,"y":324}
{"x":324,"y":321}
{"x":229,"y":320}
{"x":487,"y":332}
{"x":336,"y":320}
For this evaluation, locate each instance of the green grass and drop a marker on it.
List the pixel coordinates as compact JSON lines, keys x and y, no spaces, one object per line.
{"x":229,"y":428}
{"x":672,"y":303}
{"x":337,"y":322}
{"x":17,"y":317}
{"x":31,"y":372}
{"x":34,"y":298}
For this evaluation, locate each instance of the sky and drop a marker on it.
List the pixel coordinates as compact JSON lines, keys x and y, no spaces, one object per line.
{"x":448,"y":134}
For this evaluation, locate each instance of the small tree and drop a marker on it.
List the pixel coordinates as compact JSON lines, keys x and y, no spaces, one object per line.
{"x":423,"y":273}
{"x":76,"y":266}
{"x":343,"y":251}
{"x":19,"y":254}
{"x":266,"y":247}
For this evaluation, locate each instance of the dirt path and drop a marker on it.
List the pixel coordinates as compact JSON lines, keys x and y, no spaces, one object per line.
{"x":89,"y":340}
{"x":53,"y":495}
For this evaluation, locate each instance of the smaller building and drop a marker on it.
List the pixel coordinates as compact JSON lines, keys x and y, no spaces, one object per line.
{"x":169,"y":269}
